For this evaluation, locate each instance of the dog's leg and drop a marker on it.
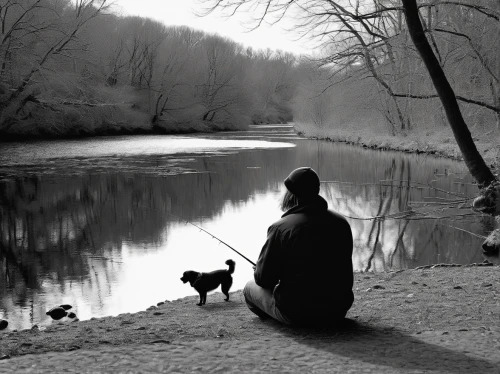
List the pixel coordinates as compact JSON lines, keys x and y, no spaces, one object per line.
{"x":225,"y":288}
{"x":201,"y":299}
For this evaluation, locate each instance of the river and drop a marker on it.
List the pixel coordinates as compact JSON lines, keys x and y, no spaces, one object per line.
{"x":100,"y":223}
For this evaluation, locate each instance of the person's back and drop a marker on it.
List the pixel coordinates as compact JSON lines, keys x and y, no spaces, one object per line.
{"x":316,"y":275}
{"x":306,"y":260}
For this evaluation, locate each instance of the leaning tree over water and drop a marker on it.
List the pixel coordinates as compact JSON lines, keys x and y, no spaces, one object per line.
{"x":472,"y":158}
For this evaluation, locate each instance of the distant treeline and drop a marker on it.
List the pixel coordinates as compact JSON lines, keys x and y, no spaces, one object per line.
{"x":74,"y":68}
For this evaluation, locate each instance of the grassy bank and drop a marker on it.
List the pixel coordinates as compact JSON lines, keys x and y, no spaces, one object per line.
{"x":110,"y":128}
{"x":73,"y":121}
{"x":437,"y":141}
{"x":122,"y":111}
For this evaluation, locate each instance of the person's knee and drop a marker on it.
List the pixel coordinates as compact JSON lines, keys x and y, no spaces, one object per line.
{"x":247,"y":290}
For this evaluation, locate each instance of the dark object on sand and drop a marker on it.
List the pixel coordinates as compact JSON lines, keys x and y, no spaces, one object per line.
{"x":3,"y":324}
{"x":205,"y":282}
{"x":66,"y":306}
{"x":71,"y":315}
{"x":57,"y":313}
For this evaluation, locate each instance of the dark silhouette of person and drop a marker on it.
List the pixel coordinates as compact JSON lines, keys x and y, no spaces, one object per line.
{"x":304,"y":274}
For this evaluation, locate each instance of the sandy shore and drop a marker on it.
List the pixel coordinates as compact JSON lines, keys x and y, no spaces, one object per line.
{"x":424,"y":320}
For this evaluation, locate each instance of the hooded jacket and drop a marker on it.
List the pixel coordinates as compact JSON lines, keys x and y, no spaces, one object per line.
{"x":306,"y":261}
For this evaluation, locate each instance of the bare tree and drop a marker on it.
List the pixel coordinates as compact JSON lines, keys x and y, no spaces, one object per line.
{"x":47,"y":28}
{"x":218,"y":84}
{"x":173,"y":85}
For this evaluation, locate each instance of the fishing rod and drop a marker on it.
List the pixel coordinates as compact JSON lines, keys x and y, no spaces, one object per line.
{"x":213,"y":236}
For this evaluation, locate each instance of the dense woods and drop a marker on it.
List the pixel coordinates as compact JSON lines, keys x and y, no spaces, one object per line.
{"x":76,"y":68}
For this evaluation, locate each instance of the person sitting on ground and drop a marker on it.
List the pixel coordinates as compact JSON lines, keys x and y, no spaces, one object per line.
{"x":304,"y":274}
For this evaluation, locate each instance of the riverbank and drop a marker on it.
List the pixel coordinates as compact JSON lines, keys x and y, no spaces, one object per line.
{"x":115,"y":130}
{"x":110,"y":120}
{"x":442,"y":319}
{"x":123,"y":110}
{"x":437,"y":141}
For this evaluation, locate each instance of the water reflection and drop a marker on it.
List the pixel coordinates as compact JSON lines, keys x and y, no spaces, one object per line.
{"x":106,"y":243}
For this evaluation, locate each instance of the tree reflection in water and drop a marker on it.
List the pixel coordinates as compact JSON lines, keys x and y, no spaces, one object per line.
{"x":67,"y":238}
{"x":392,"y":244}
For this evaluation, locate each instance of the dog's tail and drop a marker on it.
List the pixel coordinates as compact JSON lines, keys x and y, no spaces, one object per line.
{"x":231,"y":265}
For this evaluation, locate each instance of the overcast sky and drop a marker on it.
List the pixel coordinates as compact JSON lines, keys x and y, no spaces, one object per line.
{"x":182,"y":12}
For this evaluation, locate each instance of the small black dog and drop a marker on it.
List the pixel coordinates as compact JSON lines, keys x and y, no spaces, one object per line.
{"x":205,"y":282}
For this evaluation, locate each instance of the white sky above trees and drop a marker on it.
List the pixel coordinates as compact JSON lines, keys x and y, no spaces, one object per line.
{"x":182,"y":12}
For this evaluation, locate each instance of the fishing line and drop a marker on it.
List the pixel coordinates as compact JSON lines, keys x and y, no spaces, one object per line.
{"x":213,"y":236}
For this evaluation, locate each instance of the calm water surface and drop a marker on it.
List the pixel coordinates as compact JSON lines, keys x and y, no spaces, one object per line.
{"x":93,"y":223}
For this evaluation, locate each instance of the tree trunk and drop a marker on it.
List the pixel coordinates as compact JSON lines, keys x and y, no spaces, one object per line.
{"x":463,"y":137}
